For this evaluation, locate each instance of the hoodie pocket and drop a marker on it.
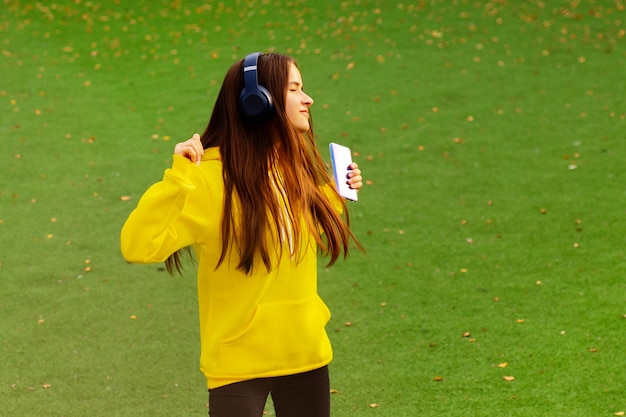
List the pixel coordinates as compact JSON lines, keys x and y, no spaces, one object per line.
{"x":281,"y":336}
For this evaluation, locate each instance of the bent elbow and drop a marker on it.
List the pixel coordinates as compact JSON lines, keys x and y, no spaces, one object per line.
{"x":132,"y":250}
{"x":140,"y":252}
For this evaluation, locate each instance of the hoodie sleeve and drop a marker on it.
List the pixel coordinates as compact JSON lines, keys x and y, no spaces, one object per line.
{"x":333,"y":197}
{"x":167,"y":217}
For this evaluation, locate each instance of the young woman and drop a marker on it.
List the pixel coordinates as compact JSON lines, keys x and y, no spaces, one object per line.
{"x":252,"y":197}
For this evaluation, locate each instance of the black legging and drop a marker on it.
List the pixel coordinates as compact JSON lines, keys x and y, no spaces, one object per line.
{"x":300,"y":395}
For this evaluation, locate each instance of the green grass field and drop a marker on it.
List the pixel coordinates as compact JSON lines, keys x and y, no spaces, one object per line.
{"x":491,"y":134}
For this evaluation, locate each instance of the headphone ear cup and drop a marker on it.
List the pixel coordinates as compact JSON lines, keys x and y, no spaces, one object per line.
{"x":256,"y":105}
{"x":255,"y":102}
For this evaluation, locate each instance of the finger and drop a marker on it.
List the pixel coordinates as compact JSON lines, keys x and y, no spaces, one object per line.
{"x":353,"y":173}
{"x":190,"y":153}
{"x":196,"y":143}
{"x":355,"y":185}
{"x":199,"y":152}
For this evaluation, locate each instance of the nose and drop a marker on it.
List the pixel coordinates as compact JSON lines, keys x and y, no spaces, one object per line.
{"x":307,"y":99}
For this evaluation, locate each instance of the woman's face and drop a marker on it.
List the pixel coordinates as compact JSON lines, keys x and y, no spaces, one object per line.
{"x":297,"y":102}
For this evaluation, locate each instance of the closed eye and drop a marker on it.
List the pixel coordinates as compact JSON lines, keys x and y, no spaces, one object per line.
{"x":294,"y":86}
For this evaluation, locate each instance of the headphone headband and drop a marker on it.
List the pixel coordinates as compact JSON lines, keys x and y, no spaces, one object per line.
{"x":250,"y":75}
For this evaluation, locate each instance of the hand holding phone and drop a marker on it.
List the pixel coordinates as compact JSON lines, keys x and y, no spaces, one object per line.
{"x":341,"y":158}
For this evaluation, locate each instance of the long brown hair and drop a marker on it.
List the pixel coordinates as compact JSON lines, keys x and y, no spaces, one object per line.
{"x":249,"y":152}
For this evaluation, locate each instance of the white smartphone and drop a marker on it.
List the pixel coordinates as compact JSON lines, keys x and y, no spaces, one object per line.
{"x":341,"y":158}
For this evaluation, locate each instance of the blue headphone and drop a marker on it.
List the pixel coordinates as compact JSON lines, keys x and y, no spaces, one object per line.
{"x":255,"y":102}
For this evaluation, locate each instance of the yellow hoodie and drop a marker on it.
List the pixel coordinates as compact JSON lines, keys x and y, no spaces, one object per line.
{"x":251,"y":326}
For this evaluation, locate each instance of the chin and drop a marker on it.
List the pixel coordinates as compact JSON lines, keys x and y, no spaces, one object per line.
{"x":303,"y":128}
